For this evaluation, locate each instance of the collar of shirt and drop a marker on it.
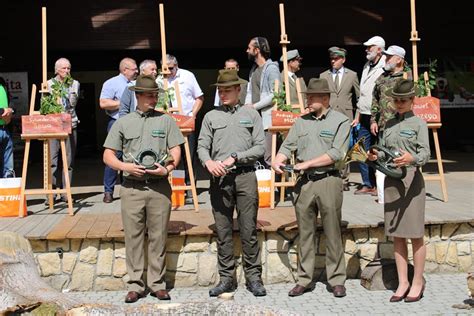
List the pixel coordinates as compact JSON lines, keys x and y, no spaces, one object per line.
{"x":175,"y":76}
{"x":340,"y":71}
{"x":404,"y":116}
{"x":124,"y":78}
{"x":290,"y":74}
{"x":324,"y":114}
{"x":232,"y":109}
{"x":144,"y":114}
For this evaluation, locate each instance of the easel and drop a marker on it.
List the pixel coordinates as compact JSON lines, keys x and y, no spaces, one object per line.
{"x":275,"y":130}
{"x":47,"y":176}
{"x":432,"y":126}
{"x":179,"y":110}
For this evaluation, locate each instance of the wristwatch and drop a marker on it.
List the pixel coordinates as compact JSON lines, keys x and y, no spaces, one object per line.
{"x":234,"y":155}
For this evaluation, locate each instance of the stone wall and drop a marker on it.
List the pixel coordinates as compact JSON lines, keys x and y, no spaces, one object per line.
{"x":99,"y":264}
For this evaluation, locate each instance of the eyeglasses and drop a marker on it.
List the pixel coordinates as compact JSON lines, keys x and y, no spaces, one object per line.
{"x":231,"y":68}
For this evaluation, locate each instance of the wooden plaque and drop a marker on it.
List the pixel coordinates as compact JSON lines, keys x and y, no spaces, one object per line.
{"x":184,"y":121}
{"x":283,"y":118}
{"x":427,"y":108}
{"x":46,"y":124}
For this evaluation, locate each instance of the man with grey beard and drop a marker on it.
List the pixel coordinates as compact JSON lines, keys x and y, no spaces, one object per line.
{"x":373,"y":68}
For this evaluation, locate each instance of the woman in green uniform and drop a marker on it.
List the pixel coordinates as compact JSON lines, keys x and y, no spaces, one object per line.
{"x":404,"y":207}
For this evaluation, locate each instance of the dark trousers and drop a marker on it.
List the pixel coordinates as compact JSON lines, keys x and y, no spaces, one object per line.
{"x":55,"y":147}
{"x":367,"y":173}
{"x":239,"y":192}
{"x":110,"y":175}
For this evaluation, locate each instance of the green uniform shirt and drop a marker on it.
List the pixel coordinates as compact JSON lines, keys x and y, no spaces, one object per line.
{"x":225,"y":130}
{"x":3,"y":101}
{"x":312,"y":137}
{"x":410,"y":133}
{"x":383,"y":108}
{"x":138,"y":131}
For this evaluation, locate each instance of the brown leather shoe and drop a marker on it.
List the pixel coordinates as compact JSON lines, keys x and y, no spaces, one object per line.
{"x":300,"y":290}
{"x":365,"y":190}
{"x":339,"y":291}
{"x":133,"y":296}
{"x":108,"y":198}
{"x":162,"y":295}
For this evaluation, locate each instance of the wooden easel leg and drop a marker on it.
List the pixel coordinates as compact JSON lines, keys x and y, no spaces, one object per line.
{"x":23,"y":177}
{"x":66,"y":177}
{"x":191,"y":174}
{"x":48,"y":177}
{"x":272,"y":178}
{"x":284,"y":178}
{"x":440,"y":165}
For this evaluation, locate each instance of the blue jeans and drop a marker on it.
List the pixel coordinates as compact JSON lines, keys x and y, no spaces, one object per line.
{"x":110,"y":175}
{"x":6,"y":153}
{"x":367,"y":173}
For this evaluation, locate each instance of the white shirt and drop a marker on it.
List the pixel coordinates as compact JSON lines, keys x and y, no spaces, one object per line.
{"x":188,"y":88}
{"x":341,"y":73}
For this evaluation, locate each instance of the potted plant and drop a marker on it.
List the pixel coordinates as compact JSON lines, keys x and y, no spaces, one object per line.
{"x":285,"y":115}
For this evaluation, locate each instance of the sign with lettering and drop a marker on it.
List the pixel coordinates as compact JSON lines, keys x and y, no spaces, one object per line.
{"x":284,"y":118}
{"x":46,"y":124}
{"x":184,"y":121}
{"x":428,"y":109}
{"x":17,"y":86}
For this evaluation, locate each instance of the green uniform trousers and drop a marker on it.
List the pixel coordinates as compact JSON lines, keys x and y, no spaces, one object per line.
{"x":237,"y":191}
{"x":146,"y":208}
{"x":325,"y":196}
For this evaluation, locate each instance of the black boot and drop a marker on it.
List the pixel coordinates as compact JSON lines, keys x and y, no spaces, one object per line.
{"x":223,"y":287}
{"x":256,"y":287}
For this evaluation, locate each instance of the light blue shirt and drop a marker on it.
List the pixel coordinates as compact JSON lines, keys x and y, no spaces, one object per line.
{"x":113,"y":89}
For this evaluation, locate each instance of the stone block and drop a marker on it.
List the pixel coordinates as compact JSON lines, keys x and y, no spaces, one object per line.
{"x":441,"y":249}
{"x":465,"y":263}
{"x":447,"y":230}
{"x":207,"y":272}
{"x":69,"y":261}
{"x":435,"y":233}
{"x":431,"y":267}
{"x":363,"y":263}
{"x":58,"y":282}
{"x":109,"y":284}
{"x":76,"y":245}
{"x":55,"y":244}
{"x":38,"y":245}
{"x":278,"y":269}
{"x":172,"y":261}
{"x":181,"y":279}
{"x":350,"y":247}
{"x":452,"y":256}
{"x":276,"y":243}
{"x":82,"y":277}
{"x":464,"y":233}
{"x":430,"y":253}
{"x":360,"y":235}
{"x":352,"y":265}
{"x":426,"y":236}
{"x":120,"y":252}
{"x":213,"y":245}
{"x":175,"y":243}
{"x":183,"y":262}
{"x":386,"y":251}
{"x":106,"y":245}
{"x":120,"y":267}
{"x":293,"y":259}
{"x":446,"y":268}
{"x":105,"y":261}
{"x":49,"y":264}
{"x":89,"y":251}
{"x":368,"y":251}
{"x":196,"y":244}
{"x":464,"y":248}
{"x":376,"y":235}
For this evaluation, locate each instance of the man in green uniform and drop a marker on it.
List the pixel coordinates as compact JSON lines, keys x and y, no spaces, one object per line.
{"x":145,"y":193}
{"x":321,"y":140}
{"x":230,"y":142}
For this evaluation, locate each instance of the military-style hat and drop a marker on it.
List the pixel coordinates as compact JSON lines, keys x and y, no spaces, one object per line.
{"x":291,"y":54}
{"x":145,"y":83}
{"x":337,"y":51}
{"x":317,"y":85}
{"x":227,"y":78}
{"x":403,"y":88}
{"x":395,"y":50}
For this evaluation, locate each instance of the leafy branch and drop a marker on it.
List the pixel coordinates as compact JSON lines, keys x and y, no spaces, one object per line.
{"x":424,"y":87}
{"x":51,"y":103}
{"x":164,"y":98}
{"x":279,"y":98}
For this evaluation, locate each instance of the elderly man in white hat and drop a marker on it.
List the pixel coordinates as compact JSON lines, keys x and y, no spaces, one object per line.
{"x":373,"y":68}
{"x":383,"y":108}
{"x":294,"y":65}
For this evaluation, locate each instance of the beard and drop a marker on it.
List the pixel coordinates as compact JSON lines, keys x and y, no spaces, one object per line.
{"x":371,"y":56}
{"x":389,"y":67}
{"x":251,"y":57}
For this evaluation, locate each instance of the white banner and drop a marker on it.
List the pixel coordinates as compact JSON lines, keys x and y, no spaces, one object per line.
{"x":17,"y":85}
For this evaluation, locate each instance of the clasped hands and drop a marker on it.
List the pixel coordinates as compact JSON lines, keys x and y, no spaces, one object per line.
{"x":219,"y":168}
{"x":139,"y":170}
{"x":404,"y":160}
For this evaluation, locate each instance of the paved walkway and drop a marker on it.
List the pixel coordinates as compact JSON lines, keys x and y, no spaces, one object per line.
{"x":443,"y":291}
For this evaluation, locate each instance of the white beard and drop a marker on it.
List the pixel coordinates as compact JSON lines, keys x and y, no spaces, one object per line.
{"x":389,"y":67}
{"x":371,"y":56}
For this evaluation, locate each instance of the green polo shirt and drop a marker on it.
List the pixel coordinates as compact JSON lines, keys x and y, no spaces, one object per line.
{"x":312,"y":137}
{"x":138,"y":131}
{"x":226,"y":130}
{"x":3,"y":101}
{"x":410,"y":133}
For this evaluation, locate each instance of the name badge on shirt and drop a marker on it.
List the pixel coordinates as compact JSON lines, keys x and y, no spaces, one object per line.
{"x":158,"y":133}
{"x":407,"y":133}
{"x":246,"y":122}
{"x":325,"y":133}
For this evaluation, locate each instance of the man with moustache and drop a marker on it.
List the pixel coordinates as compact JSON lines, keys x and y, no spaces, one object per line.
{"x":373,"y":68}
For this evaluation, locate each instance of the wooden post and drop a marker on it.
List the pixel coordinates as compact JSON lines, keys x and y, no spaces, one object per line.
{"x":164,"y":65}
{"x":44,"y":82}
{"x":414,"y":38}
{"x":284,"y":41}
